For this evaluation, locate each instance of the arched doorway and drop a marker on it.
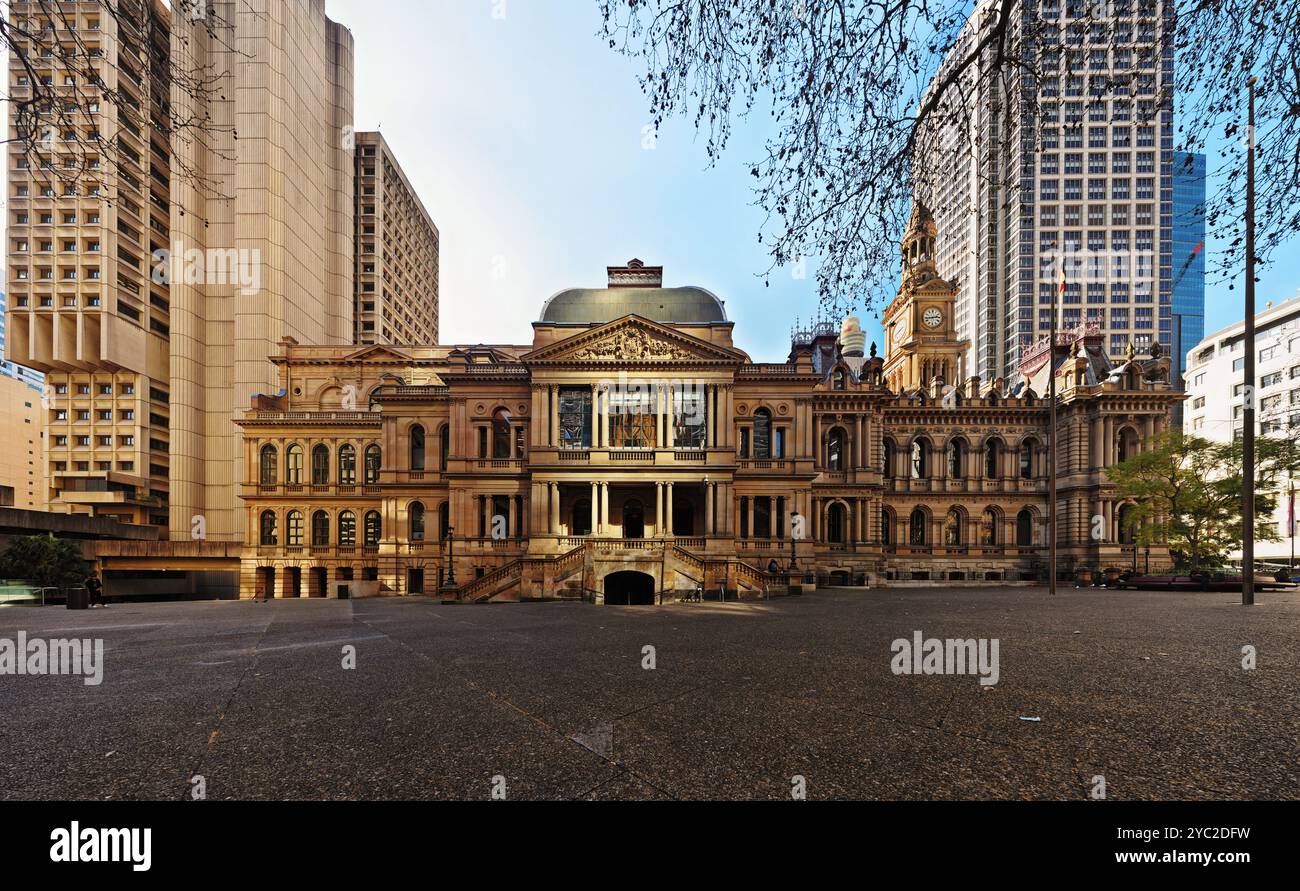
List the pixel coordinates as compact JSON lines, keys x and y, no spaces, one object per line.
{"x":836,"y":523}
{"x":633,"y":519}
{"x":629,"y":588}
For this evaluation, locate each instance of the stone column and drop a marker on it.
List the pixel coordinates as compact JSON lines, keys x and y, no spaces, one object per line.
{"x":604,"y":508}
{"x":708,"y":416}
{"x":555,"y":508}
{"x":595,"y":508}
{"x":512,"y":519}
{"x":1108,"y":442}
{"x":668,"y":425}
{"x":659,"y":509}
{"x":535,"y":419}
{"x":728,"y":401}
{"x":708,"y":508}
{"x":669,"y":518}
{"x":553,"y":416}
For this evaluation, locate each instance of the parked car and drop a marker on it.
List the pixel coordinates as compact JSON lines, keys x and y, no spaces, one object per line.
{"x":1197,"y":581}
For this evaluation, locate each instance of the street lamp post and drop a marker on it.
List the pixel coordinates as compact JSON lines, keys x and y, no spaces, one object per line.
{"x":451,"y":563}
{"x":794,"y":564}
{"x":1248,"y":410}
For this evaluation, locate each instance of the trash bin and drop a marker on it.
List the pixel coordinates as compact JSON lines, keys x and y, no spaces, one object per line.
{"x":78,"y":598}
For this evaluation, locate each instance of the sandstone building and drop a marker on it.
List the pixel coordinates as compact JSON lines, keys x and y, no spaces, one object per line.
{"x":633,"y":448}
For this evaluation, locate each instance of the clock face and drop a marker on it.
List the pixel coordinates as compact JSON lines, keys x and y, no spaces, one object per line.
{"x":932,"y":318}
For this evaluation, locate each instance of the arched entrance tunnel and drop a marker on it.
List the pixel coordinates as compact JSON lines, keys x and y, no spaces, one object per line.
{"x":629,"y":588}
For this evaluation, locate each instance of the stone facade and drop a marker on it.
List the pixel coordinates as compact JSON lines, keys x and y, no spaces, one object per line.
{"x":627,"y":456}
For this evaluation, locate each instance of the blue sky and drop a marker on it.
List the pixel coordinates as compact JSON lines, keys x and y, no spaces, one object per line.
{"x":524,"y":136}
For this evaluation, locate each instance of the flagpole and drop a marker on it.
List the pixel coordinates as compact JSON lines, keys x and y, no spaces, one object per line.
{"x":1051,"y":439}
{"x":1248,"y":410}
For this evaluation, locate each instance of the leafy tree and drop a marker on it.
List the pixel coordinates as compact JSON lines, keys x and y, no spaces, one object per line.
{"x":43,"y":560}
{"x":1187,"y":491}
{"x":874,"y":102}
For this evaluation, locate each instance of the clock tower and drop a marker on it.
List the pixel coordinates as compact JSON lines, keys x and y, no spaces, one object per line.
{"x":921,"y":345}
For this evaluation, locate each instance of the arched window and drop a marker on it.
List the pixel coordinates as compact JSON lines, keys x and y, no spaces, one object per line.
{"x":374,"y":458}
{"x":1127,"y":532}
{"x":444,"y":447}
{"x":953,"y":534}
{"x":417,"y":447}
{"x":372,"y":529}
{"x":1126,"y":445}
{"x":347,"y":529}
{"x":957,"y":459}
{"x":501,"y":433}
{"x":836,"y":449}
{"x":762,"y":433}
{"x":320,"y":529}
{"x":916,"y":528}
{"x":921,"y":459}
{"x":1025,"y":528}
{"x":269,"y":537}
{"x":993,"y":459}
{"x":293,"y":465}
{"x":886,"y":526}
{"x":347,"y":465}
{"x":293,"y":529}
{"x":839,"y":378}
{"x":270,"y":458}
{"x":581,"y":524}
{"x":989,"y":527}
{"x":836,"y":523}
{"x":416,"y":515}
{"x":1028,"y":460}
{"x":887,"y":464}
{"x":444,"y":524}
{"x":320,"y":465}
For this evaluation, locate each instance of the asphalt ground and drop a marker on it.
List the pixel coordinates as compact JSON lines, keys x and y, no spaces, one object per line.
{"x":752,"y":700}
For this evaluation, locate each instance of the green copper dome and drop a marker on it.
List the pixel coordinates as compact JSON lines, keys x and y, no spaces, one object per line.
{"x":634,"y":289}
{"x":684,"y":306}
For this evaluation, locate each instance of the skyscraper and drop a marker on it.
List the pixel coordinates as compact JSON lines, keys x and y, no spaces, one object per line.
{"x":396,"y":252}
{"x":1188,"y":255}
{"x":266,"y":213}
{"x":1068,"y":165}
{"x":88,"y":201}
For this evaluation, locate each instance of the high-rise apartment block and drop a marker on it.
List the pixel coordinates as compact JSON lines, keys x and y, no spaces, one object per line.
{"x":88,"y":204}
{"x":271,"y":216}
{"x":167,"y":232}
{"x":396,"y":252}
{"x":1066,"y":165}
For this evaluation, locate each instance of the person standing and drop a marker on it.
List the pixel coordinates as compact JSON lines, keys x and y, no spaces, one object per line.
{"x":95,"y":588}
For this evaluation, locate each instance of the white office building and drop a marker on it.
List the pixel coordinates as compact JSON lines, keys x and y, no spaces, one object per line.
{"x":1215,"y":384}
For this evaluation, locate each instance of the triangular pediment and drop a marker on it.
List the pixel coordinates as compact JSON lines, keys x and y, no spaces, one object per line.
{"x":632,"y":340}
{"x":378,"y":353}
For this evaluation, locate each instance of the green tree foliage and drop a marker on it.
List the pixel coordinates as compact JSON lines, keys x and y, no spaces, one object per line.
{"x":43,"y":560}
{"x":1187,"y":491}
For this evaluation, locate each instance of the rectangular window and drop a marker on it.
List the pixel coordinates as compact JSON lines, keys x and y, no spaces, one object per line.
{"x":690,"y":415}
{"x":631,"y":419}
{"x":575,"y":417}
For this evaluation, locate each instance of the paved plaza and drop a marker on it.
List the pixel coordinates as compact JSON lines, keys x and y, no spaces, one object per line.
{"x":554,"y":700}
